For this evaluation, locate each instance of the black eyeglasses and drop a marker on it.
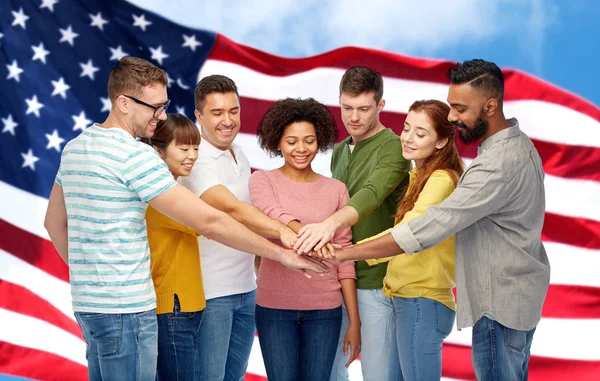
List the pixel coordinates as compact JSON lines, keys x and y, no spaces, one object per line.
{"x":158,"y":110}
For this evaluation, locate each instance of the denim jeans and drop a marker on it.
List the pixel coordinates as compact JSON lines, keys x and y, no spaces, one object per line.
{"x":421,"y":326}
{"x":500,"y":353}
{"x":226,"y":337}
{"x":379,"y":355}
{"x":298,"y":345}
{"x":178,"y":345}
{"x":120,"y":346}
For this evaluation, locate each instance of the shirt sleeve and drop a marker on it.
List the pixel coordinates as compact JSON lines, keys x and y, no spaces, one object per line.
{"x":204,"y":176}
{"x":146,"y":174}
{"x":389,"y":172}
{"x":481,"y":192}
{"x":264,"y":196}
{"x":343,"y":237}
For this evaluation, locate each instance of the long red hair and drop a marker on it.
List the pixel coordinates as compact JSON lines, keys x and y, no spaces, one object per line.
{"x":445,"y":158}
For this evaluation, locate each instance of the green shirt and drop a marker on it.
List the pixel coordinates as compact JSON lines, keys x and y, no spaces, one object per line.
{"x":376,"y":175}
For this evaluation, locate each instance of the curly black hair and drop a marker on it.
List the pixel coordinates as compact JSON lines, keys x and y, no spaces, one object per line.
{"x":287,"y":111}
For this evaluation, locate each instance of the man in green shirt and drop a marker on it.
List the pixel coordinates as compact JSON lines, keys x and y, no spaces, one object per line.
{"x":371,"y":165}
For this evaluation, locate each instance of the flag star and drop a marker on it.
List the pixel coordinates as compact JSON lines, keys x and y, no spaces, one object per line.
{"x":180,"y":110}
{"x":54,"y":141}
{"x":29,"y":159}
{"x":20,"y":18}
{"x":48,"y":4}
{"x":98,"y":21}
{"x":1,"y":35}
{"x":14,"y":71}
{"x":158,"y":54}
{"x":88,"y":69}
{"x":141,"y":21}
{"x":60,"y":88}
{"x":39,"y":53}
{"x":81,"y":122}
{"x":117,"y":53}
{"x":9,"y":125}
{"x":106,"y":105}
{"x":33,"y":106}
{"x":191,"y":42}
{"x":68,"y":35}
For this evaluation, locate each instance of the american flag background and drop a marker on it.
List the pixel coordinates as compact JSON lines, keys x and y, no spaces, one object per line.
{"x":55,"y":56}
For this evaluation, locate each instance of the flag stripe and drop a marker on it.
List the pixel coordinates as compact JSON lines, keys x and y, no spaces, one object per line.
{"x":518,"y":85}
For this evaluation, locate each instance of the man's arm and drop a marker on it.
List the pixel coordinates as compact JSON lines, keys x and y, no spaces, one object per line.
{"x":183,"y":206}
{"x":56,"y":222}
{"x":391,"y":169}
{"x":221,"y":198}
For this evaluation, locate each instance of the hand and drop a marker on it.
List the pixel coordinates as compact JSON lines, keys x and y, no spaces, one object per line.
{"x":327,"y":251}
{"x":315,"y":236}
{"x":287,"y":237}
{"x":303,"y":263}
{"x":352,"y":339}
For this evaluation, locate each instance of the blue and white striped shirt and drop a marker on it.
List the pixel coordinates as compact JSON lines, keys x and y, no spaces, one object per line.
{"x":107,"y":179}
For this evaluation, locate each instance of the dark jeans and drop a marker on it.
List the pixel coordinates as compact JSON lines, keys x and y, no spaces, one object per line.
{"x":120,"y":346}
{"x":500,"y":353}
{"x":178,"y":345}
{"x":298,"y":345}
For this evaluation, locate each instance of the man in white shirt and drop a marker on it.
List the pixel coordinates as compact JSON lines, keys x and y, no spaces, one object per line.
{"x":220,"y":178}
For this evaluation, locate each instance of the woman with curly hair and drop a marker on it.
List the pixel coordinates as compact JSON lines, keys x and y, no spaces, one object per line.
{"x":298,"y":319}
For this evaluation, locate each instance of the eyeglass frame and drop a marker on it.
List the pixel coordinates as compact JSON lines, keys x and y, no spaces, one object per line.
{"x":156,"y":108}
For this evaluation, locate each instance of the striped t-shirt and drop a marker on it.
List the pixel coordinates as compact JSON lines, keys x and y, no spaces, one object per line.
{"x":107,"y":179}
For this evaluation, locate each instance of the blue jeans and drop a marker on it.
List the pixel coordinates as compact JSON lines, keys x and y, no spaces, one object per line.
{"x":298,"y":345}
{"x":120,"y":346}
{"x":500,"y":353}
{"x":421,"y":326}
{"x":178,"y":345}
{"x":379,"y":355}
{"x":226,"y":337}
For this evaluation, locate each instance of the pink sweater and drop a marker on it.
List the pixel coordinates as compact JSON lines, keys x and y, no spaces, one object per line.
{"x":286,"y":200}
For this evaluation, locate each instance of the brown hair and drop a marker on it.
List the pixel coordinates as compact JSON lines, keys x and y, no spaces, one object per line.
{"x":213,"y":84}
{"x":131,"y":75}
{"x":361,"y":79}
{"x":176,"y":127}
{"x":287,"y":111}
{"x":445,"y":158}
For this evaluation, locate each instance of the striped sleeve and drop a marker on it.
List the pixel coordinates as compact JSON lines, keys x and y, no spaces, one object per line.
{"x":146,"y":174}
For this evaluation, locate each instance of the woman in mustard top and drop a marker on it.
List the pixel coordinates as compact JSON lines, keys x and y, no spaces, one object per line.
{"x":175,"y":259}
{"x":421,"y":285}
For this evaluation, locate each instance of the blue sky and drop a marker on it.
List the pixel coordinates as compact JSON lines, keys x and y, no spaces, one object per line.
{"x":558,"y":41}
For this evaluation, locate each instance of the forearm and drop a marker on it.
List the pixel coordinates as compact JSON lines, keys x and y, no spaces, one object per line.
{"x":350,"y":300}
{"x":257,"y":221}
{"x":60,"y":240}
{"x":343,"y":218}
{"x":381,"y":247}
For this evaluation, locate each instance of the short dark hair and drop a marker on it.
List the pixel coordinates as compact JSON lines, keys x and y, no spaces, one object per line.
{"x":287,"y":111}
{"x":480,"y":74}
{"x":213,"y":84}
{"x":176,"y":127}
{"x":361,"y":79}
{"x":131,"y":74}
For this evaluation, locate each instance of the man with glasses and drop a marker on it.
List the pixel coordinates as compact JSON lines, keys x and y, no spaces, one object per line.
{"x":96,"y":221}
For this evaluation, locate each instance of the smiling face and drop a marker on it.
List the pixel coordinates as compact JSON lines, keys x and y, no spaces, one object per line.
{"x":220,"y":119}
{"x":141,"y":118}
{"x":180,"y":158}
{"x":419,"y":138}
{"x":360,"y":114}
{"x":467,"y":112}
{"x":298,"y":145}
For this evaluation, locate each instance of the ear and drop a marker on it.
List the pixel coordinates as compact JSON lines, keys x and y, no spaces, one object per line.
{"x":381,"y":105}
{"x":490,"y":107}
{"x":441,"y":144}
{"x":159,"y":152}
{"x":198,"y":116}
{"x":121,"y":104}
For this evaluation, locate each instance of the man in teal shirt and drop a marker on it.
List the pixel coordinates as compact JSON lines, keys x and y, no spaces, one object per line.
{"x":371,"y":165}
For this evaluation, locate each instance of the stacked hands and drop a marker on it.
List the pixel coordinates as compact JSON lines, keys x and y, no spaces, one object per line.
{"x":311,"y":248}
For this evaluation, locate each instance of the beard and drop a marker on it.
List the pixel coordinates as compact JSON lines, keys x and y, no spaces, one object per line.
{"x":469,"y":135}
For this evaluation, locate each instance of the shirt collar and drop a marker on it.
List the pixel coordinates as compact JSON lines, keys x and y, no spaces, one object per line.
{"x":509,"y":132}
{"x":214,"y":152}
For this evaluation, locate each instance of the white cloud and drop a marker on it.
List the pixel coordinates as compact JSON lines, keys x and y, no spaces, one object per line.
{"x":300,"y":28}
